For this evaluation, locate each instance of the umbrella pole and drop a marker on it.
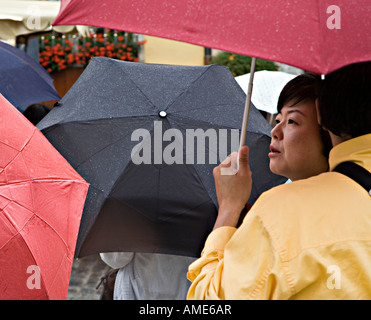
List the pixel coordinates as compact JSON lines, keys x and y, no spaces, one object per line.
{"x":247,"y":103}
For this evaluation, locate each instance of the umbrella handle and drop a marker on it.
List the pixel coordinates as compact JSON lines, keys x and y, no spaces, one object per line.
{"x":247,"y":103}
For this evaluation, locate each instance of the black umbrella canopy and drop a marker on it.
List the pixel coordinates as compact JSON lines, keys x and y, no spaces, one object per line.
{"x":147,"y":137}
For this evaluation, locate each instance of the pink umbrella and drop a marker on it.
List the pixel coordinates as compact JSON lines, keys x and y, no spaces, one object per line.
{"x":41,"y":202}
{"x":313,"y":35}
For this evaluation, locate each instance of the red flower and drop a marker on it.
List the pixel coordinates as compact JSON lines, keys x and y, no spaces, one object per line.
{"x":60,"y":55}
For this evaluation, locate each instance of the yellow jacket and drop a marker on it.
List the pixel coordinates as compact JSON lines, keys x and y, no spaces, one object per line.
{"x":310,"y":239}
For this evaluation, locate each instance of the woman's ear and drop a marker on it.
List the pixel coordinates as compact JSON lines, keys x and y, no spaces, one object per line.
{"x":318,"y":113}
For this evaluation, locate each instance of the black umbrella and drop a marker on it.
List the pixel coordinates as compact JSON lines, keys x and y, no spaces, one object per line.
{"x":147,"y":137}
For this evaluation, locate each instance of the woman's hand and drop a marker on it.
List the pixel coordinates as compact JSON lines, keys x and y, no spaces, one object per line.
{"x":233,"y":183}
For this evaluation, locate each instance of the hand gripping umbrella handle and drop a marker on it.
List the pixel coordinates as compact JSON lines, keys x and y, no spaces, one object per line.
{"x":247,"y":103}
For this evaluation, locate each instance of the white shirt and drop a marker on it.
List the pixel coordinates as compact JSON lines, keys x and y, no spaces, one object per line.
{"x":149,"y":276}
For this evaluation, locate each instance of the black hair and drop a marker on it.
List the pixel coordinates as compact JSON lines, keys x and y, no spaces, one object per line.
{"x":301,"y":89}
{"x":35,"y":112}
{"x":344,"y":99}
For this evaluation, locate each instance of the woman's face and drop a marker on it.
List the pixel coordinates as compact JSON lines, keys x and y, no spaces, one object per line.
{"x":296,"y":145}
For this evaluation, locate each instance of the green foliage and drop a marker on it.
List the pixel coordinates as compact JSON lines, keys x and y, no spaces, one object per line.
{"x":239,"y":64}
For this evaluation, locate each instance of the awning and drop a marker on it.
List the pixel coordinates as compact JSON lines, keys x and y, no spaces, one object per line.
{"x":22,"y":17}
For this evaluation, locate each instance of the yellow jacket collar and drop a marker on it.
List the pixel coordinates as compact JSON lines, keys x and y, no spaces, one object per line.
{"x":357,"y":150}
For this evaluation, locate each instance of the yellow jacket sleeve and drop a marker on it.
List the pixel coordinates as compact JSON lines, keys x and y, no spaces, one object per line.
{"x":239,"y":264}
{"x":206,"y":272}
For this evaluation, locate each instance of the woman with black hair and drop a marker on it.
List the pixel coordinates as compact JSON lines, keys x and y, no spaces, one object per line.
{"x":299,"y":146}
{"x":310,"y":239}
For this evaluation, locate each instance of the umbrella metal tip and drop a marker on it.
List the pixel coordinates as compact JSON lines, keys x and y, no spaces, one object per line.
{"x":162,"y":114}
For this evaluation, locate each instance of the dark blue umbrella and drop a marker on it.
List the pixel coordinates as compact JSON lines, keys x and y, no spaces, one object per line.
{"x":22,"y":80}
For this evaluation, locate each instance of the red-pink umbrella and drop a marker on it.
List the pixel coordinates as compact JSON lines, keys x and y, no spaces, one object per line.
{"x":317,"y":36}
{"x":41,"y":202}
